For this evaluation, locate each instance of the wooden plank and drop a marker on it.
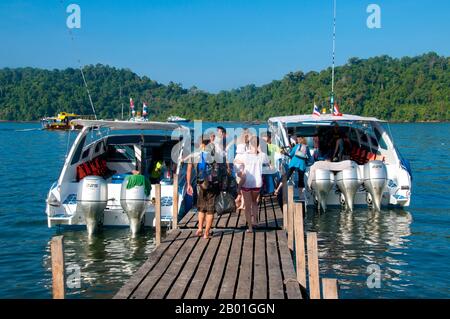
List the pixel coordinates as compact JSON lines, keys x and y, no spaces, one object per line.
{"x":159,"y":269}
{"x":277,"y":209}
{"x":287,"y":266}
{"x":268,"y":214}
{"x":245,"y":270}
{"x":186,"y":219}
{"x":193,"y":222}
{"x":276,"y":289}
{"x":300,"y":258}
{"x":172,"y":272}
{"x":142,"y":272}
{"x":242,"y":221}
{"x":260,"y":283}
{"x":211,"y":290}
{"x":262,"y":213}
{"x":313,"y":266}
{"x":181,"y":284}
{"x":229,"y":279}
{"x":290,"y":217}
{"x":285,"y":202}
{"x":223,"y":222}
{"x":232,"y":222}
{"x":175,"y":202}
{"x":330,"y":288}
{"x":216,"y":220}
{"x":158,"y":214}
{"x":199,"y":280}
{"x":58,"y":272}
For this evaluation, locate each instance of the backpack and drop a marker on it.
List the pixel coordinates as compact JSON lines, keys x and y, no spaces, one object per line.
{"x":207,"y":173}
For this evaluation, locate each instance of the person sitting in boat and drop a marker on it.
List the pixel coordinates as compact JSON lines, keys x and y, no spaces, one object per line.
{"x":342,"y":148}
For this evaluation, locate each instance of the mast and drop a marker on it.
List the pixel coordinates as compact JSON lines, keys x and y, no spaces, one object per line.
{"x":334,"y":54}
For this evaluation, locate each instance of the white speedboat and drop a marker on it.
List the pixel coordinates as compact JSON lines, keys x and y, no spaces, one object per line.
{"x":372,"y":172}
{"x":177,"y":119}
{"x":92,"y":190}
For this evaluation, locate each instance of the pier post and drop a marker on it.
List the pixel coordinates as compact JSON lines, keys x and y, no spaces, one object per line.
{"x":58,"y":272}
{"x":329,"y":288}
{"x":290,"y":217}
{"x":175,"y":202}
{"x":285,"y":201}
{"x":158,"y":214}
{"x":313,"y":266}
{"x":300,"y":258}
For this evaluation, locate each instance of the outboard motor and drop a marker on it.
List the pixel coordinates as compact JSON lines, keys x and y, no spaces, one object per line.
{"x":92,"y":199}
{"x":322,"y":185}
{"x":375,"y":179}
{"x":134,"y":202}
{"x":348,"y":182}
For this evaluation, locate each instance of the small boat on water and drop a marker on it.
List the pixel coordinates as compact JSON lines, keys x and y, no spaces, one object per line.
{"x":93,"y":188}
{"x":371,"y":172}
{"x":63,"y":121}
{"x":177,"y":119}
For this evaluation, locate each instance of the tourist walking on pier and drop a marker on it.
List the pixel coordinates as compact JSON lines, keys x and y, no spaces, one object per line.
{"x":205,"y":163}
{"x":253,"y":162}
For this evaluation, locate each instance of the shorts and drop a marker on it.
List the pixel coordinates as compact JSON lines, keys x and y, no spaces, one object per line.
{"x":206,"y":200}
{"x":255,"y":189}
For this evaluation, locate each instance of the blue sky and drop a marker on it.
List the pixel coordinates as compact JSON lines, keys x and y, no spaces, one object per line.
{"x":216,"y":44}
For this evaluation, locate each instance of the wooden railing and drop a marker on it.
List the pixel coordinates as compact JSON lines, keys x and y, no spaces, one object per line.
{"x":307,"y":273}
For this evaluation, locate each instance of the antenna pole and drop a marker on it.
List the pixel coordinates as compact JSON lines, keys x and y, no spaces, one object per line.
{"x":334,"y":53}
{"x":89,"y":93}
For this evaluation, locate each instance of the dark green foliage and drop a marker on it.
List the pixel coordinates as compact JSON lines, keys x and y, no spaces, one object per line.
{"x":406,"y":89}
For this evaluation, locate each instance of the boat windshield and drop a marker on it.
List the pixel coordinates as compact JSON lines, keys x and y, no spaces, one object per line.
{"x":96,"y":134}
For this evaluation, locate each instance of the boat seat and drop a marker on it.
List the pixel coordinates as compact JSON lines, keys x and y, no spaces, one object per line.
{"x":96,"y":167}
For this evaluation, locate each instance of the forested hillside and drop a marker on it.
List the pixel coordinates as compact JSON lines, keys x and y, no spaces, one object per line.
{"x":406,"y":89}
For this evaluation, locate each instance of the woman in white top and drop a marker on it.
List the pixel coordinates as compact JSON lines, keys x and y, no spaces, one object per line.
{"x":253,"y":162}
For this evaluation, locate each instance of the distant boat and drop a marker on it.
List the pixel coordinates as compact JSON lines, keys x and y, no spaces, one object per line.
{"x":177,"y":119}
{"x":63,"y":121}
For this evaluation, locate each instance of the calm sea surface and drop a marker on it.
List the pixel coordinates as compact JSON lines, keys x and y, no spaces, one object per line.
{"x":411,"y":247}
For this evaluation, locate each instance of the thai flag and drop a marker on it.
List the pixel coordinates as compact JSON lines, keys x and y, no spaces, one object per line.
{"x":131,"y":103}
{"x":316,"y":110}
{"x":144,"y":109}
{"x":336,"y":111}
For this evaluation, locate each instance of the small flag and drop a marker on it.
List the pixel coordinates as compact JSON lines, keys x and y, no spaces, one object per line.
{"x":144,"y":109}
{"x":336,"y":111}
{"x":316,"y":110}
{"x":131,"y":103}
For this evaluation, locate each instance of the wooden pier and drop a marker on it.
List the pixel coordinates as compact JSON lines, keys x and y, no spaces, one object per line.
{"x":233,"y":264}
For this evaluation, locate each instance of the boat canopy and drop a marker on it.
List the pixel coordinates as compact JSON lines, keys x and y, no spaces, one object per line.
{"x":127,"y":125}
{"x":323,"y":118}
